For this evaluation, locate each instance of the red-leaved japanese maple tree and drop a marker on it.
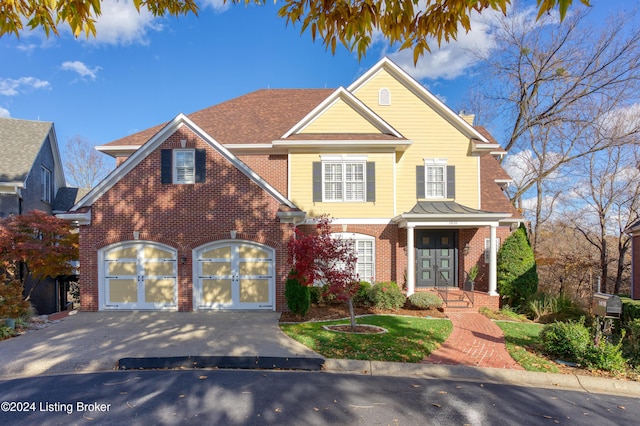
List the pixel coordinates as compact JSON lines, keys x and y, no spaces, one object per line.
{"x":36,"y":245}
{"x":320,"y":257}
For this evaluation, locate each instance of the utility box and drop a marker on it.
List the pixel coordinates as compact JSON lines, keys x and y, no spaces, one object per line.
{"x":606,"y":305}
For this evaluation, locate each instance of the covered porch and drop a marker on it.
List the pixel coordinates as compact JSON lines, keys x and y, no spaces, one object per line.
{"x":445,"y":239}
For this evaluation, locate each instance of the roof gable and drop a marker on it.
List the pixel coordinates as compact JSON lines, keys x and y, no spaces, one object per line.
{"x":386,"y":65}
{"x":21,"y":142}
{"x":356,"y":116}
{"x":178,"y":122}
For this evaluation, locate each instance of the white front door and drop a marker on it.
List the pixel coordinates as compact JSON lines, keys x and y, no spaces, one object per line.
{"x":139,"y":275}
{"x":234,"y":275}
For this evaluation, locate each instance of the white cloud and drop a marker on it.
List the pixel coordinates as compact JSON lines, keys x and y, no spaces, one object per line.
{"x":81,"y":69}
{"x":12,"y":87}
{"x":217,"y":5}
{"x":121,"y":23}
{"x":4,"y":113}
{"x":450,"y":59}
{"x":456,"y":57}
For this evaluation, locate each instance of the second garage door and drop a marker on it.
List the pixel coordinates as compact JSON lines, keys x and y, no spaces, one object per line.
{"x":234,"y":275}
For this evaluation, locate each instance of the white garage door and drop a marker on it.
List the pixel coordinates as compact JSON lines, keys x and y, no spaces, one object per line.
{"x":234,"y":275}
{"x":139,"y":275}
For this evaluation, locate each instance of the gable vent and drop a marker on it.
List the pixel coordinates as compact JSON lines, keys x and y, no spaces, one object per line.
{"x":384,"y":97}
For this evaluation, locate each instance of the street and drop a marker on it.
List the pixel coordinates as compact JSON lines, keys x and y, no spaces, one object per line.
{"x":238,"y":397}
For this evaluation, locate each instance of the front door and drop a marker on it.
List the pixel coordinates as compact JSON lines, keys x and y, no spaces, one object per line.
{"x":436,"y":258}
{"x":140,"y":275}
{"x":234,"y":275}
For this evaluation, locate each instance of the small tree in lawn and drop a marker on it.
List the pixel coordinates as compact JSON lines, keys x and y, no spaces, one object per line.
{"x":36,"y":245}
{"x":319,"y":257}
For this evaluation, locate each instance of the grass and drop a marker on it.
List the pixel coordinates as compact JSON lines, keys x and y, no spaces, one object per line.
{"x":408,"y":339}
{"x":518,"y":336}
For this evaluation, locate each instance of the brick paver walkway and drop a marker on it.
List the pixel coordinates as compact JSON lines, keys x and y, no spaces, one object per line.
{"x":475,"y":341}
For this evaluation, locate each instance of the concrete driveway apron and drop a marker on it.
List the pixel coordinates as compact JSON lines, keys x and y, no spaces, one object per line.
{"x":95,"y":341}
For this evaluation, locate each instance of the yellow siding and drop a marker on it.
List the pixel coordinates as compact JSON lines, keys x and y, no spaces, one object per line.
{"x":432,"y":137}
{"x":340,"y":118}
{"x":301,"y":185}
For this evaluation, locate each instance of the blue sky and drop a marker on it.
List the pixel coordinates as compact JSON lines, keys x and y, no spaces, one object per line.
{"x":141,"y":71}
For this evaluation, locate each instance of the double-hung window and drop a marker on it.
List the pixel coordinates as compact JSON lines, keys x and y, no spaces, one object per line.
{"x":184,"y":162}
{"x":344,"y":179}
{"x":435,"y":173}
{"x":487,"y":247}
{"x":364,"y":246}
{"x":46,"y":185}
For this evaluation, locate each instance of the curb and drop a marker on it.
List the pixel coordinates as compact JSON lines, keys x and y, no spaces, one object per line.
{"x":587,"y":384}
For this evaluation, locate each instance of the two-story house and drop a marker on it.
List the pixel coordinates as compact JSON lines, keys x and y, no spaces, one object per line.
{"x":32,"y":178}
{"x":198,"y":212}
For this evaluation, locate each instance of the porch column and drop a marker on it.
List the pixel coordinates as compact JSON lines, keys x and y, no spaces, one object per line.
{"x":411,"y":261}
{"x":493,"y":263}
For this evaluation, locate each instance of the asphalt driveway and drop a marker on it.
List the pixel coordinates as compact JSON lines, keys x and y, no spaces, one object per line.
{"x":95,"y":341}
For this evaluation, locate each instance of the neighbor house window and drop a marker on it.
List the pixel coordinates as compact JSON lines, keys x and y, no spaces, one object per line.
{"x":46,"y":185}
{"x":487,"y":254}
{"x":344,"y":180}
{"x":364,"y":246}
{"x":184,"y":166}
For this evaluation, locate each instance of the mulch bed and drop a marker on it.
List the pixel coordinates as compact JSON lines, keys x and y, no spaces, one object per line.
{"x":333,"y":311}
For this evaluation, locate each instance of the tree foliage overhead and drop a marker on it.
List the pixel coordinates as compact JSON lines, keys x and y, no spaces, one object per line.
{"x":411,"y":23}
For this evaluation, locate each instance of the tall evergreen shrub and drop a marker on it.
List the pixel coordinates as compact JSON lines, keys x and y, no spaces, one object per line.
{"x":517,"y":273}
{"x":298,"y":296}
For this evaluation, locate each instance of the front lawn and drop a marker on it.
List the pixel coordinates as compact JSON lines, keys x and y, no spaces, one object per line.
{"x":518,"y":337}
{"x":408,"y":339}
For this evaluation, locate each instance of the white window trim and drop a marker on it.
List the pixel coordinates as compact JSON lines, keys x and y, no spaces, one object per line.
{"x":175,"y":166}
{"x":46,"y":185}
{"x":343,"y":160}
{"x":436,"y":162}
{"x":487,"y":242}
{"x":361,"y":237}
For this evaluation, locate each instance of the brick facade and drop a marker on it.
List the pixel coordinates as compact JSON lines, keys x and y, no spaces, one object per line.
{"x":635,"y":266}
{"x":182,"y":216}
{"x":391,"y":252}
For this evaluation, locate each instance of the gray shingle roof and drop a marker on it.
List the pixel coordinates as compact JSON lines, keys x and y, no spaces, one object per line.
{"x":20,"y":142}
{"x":67,"y":197}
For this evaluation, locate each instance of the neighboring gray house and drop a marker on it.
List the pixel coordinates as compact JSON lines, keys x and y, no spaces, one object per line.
{"x":32,"y":178}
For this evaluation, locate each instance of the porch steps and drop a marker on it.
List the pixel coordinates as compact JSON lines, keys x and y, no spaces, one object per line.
{"x":457,"y":301}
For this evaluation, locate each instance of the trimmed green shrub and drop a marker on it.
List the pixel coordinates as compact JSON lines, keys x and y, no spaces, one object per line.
{"x":567,"y":340}
{"x":315,"y":294}
{"x":632,"y":342}
{"x":298,"y":296}
{"x":425,"y":300}
{"x":630,"y":310}
{"x":361,"y":298}
{"x":6,"y":332}
{"x":605,"y":356}
{"x":517,"y":274}
{"x":387,"y":295}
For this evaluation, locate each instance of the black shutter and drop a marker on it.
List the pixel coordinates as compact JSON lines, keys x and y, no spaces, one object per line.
{"x":371,"y":181}
{"x":420,"y":183}
{"x":451,"y":181}
{"x":201,"y":165}
{"x":317,"y":181}
{"x":166,"y":169}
